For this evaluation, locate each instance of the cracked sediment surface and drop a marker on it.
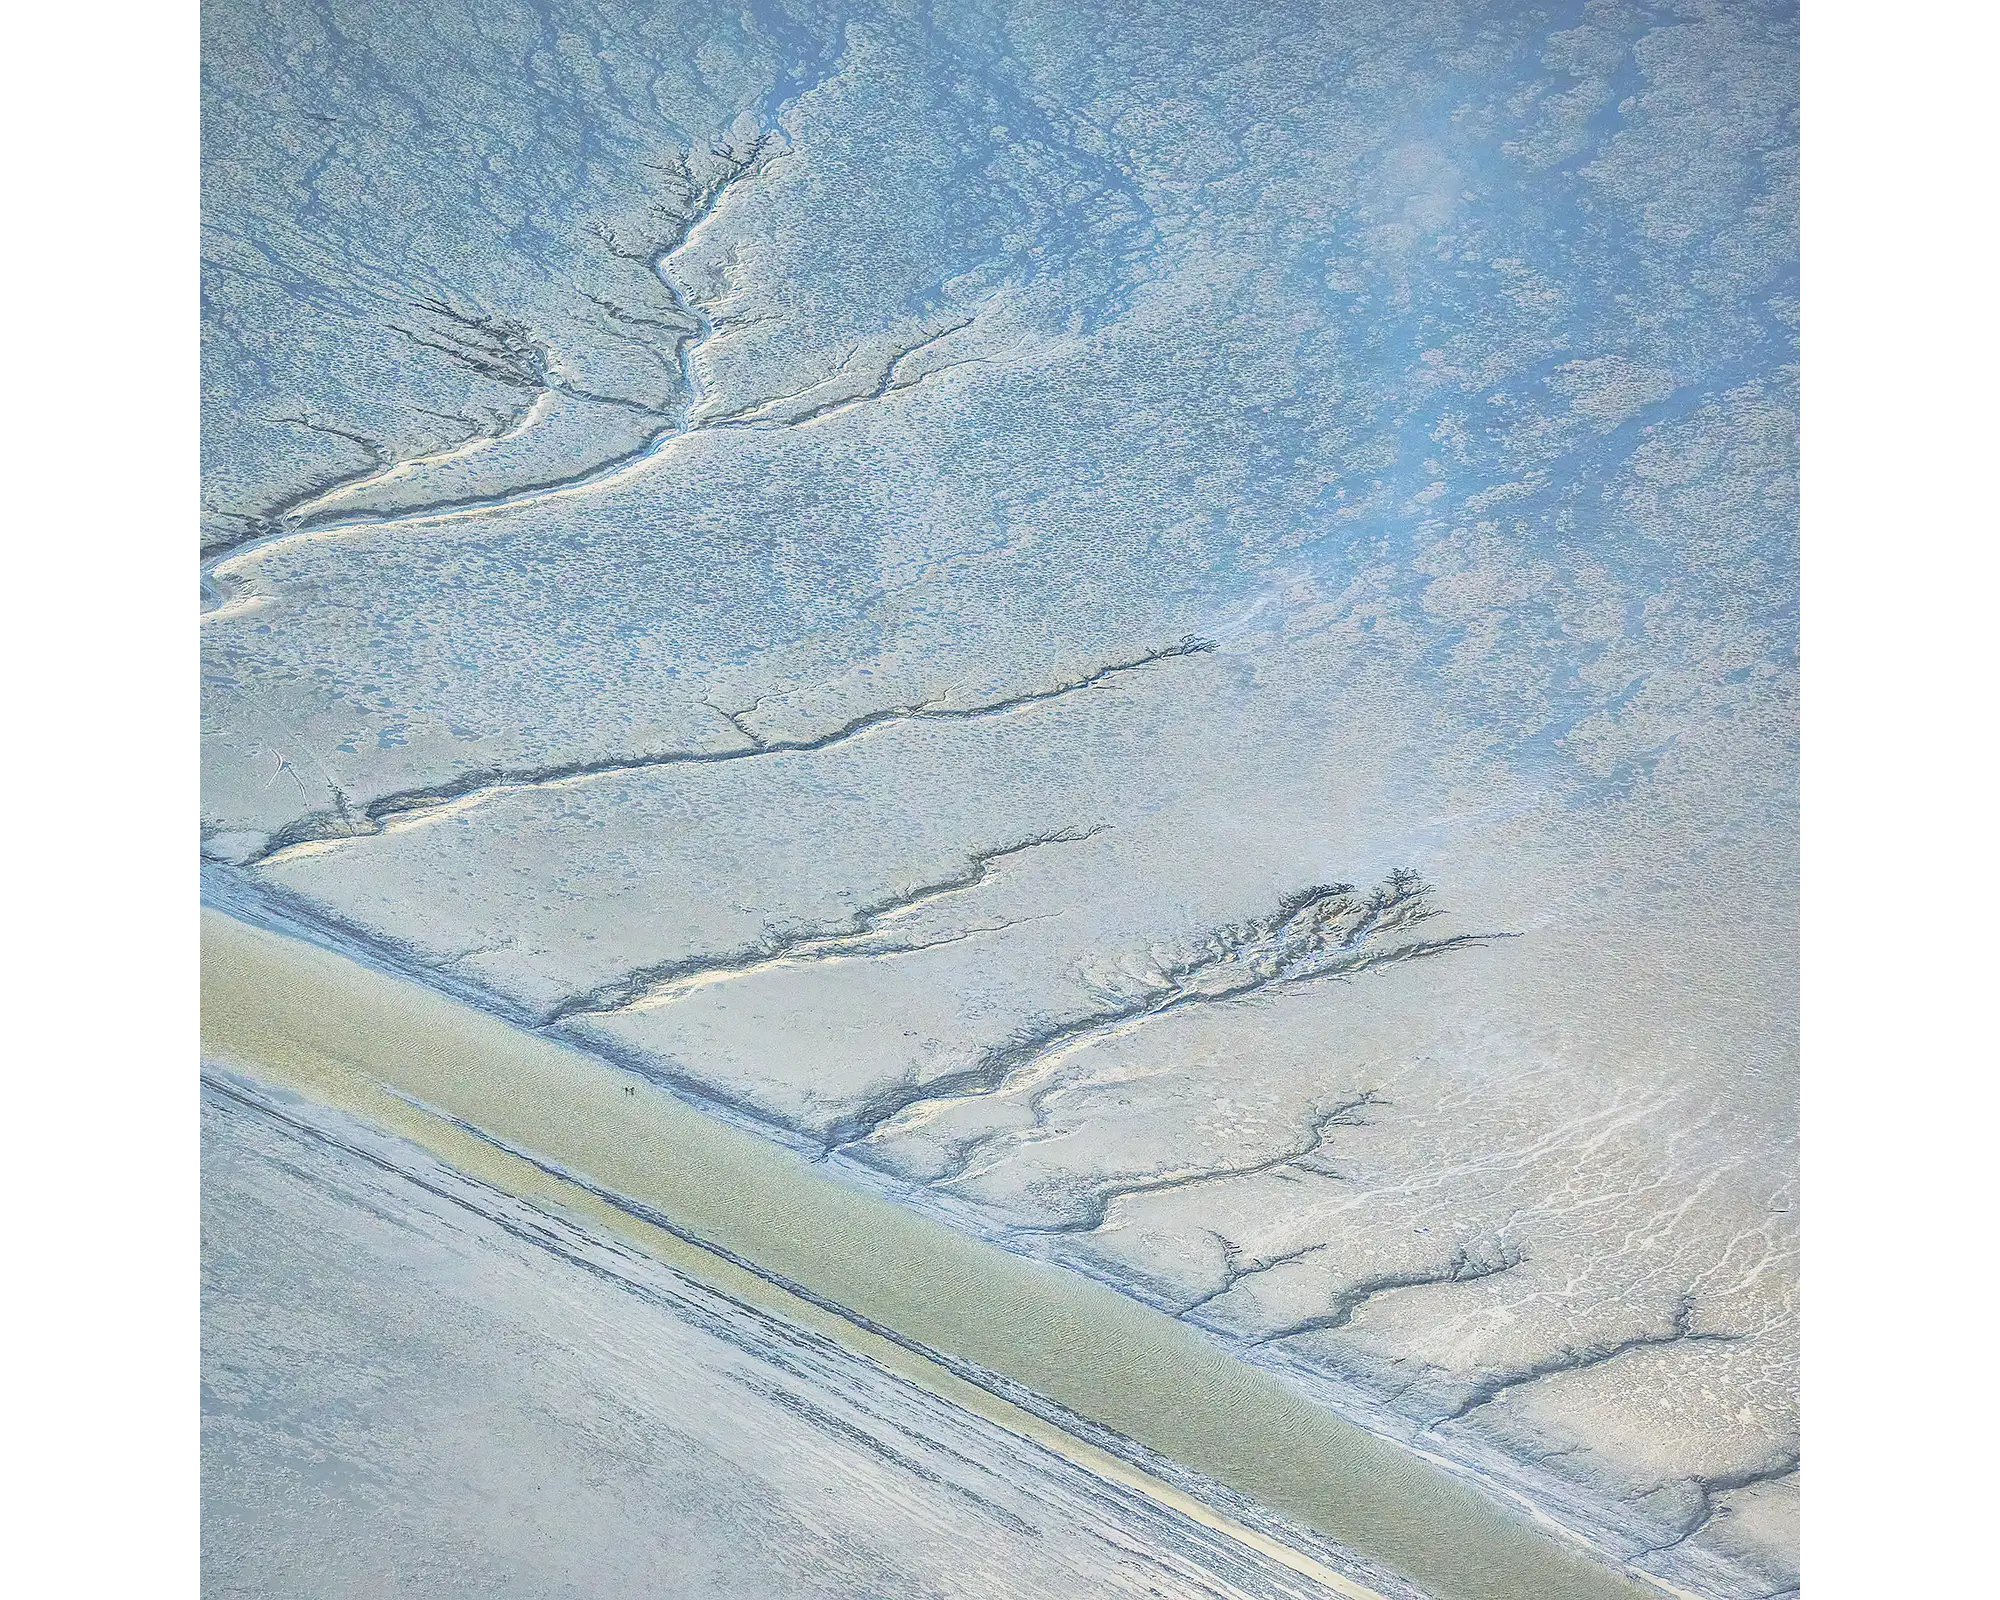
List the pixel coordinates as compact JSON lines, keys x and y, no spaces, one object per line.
{"x":1146,"y":661}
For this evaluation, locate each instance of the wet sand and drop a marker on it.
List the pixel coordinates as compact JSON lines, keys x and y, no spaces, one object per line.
{"x":561,"y":1127}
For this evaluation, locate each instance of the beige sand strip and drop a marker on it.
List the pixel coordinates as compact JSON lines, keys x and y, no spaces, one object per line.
{"x":331,"y":1029}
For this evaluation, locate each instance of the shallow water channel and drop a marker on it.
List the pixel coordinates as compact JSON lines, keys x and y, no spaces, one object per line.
{"x":959,"y":1315}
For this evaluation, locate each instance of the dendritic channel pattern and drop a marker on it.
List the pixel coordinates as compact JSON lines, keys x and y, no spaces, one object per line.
{"x":1324,"y":932}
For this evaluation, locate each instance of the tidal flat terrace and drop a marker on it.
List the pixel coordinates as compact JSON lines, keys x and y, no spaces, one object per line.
{"x":1167,"y":637}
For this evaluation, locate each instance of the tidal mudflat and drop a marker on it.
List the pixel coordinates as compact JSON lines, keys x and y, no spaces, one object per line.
{"x":1163,"y":638}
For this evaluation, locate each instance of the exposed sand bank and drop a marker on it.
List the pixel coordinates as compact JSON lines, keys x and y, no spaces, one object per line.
{"x":374,"y":1045}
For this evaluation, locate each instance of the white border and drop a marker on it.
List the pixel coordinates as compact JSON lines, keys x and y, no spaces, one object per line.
{"x":1901,"y":616}
{"x":98,"y":501}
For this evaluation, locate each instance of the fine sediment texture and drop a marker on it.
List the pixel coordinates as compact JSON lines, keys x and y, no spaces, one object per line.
{"x":1167,"y":639}
{"x":415,"y":807}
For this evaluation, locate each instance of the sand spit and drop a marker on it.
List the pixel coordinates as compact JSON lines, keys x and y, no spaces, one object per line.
{"x":557,"y":1126}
